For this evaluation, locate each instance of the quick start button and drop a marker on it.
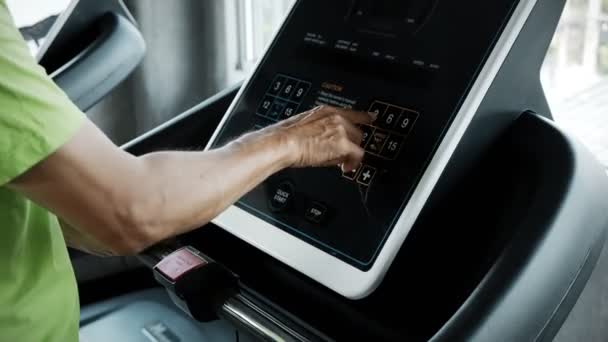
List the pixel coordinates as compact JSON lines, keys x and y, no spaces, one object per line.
{"x":282,"y":196}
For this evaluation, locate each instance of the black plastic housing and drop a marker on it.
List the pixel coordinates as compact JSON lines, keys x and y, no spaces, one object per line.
{"x":503,"y":256}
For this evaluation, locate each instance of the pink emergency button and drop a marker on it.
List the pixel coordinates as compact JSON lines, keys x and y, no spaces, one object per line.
{"x":179,"y":263}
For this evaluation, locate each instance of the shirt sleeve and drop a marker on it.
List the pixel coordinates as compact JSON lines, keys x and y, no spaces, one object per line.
{"x":36,"y":117}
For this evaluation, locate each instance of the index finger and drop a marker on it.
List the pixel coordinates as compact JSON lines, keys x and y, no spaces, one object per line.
{"x":356,"y":117}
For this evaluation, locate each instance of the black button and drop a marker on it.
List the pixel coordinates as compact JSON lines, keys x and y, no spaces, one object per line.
{"x":282,"y":197}
{"x":352,"y":175}
{"x":393,"y":146}
{"x":277,"y":85}
{"x":390,"y":117}
{"x":289,"y":111}
{"x":277,"y":109}
{"x":316,"y":212}
{"x":377,"y":142}
{"x":418,"y":10}
{"x":363,"y":8}
{"x":265,"y":105}
{"x":260,"y":123}
{"x":368,"y":131}
{"x":406,"y":122}
{"x":367,"y":175}
{"x":301,"y":91}
{"x":378,"y":109}
{"x":289,"y":89}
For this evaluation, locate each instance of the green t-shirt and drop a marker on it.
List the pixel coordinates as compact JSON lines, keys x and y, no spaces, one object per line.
{"x":38,"y":292}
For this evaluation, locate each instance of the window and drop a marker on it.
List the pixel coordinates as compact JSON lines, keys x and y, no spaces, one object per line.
{"x":575,"y":74}
{"x":35,"y":18}
{"x":251,"y":24}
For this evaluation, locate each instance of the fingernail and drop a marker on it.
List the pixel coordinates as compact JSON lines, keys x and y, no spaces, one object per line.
{"x":373,"y":115}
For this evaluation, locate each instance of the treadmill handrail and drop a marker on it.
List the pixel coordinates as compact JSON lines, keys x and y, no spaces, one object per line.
{"x":567,"y":175}
{"x":511,"y":279}
{"x":103,"y":64}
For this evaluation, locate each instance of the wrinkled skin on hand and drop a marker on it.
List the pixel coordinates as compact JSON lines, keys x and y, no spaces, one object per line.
{"x":325,"y":136}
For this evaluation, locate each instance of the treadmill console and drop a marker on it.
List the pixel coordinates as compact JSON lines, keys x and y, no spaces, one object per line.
{"x":423,"y":66}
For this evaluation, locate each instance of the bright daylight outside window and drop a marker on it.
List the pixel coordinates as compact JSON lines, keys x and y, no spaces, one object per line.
{"x":35,"y":17}
{"x":575,"y":73}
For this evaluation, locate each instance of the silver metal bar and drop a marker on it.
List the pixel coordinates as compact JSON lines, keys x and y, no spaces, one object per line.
{"x":236,"y":314}
{"x":245,"y":314}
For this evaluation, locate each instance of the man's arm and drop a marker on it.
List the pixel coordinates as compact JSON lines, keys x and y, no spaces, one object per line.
{"x":121,"y":204}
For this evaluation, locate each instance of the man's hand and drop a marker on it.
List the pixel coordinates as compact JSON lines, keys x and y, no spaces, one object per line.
{"x":326,"y":136}
{"x":323,"y":136}
{"x":118,"y":203}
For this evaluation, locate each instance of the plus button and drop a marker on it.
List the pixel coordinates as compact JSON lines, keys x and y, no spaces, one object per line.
{"x":367,"y":175}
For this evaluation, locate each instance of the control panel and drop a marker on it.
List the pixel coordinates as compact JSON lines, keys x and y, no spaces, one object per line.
{"x":412,"y":62}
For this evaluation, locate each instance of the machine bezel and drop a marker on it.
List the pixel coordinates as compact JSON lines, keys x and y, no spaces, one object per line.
{"x":321,"y":266}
